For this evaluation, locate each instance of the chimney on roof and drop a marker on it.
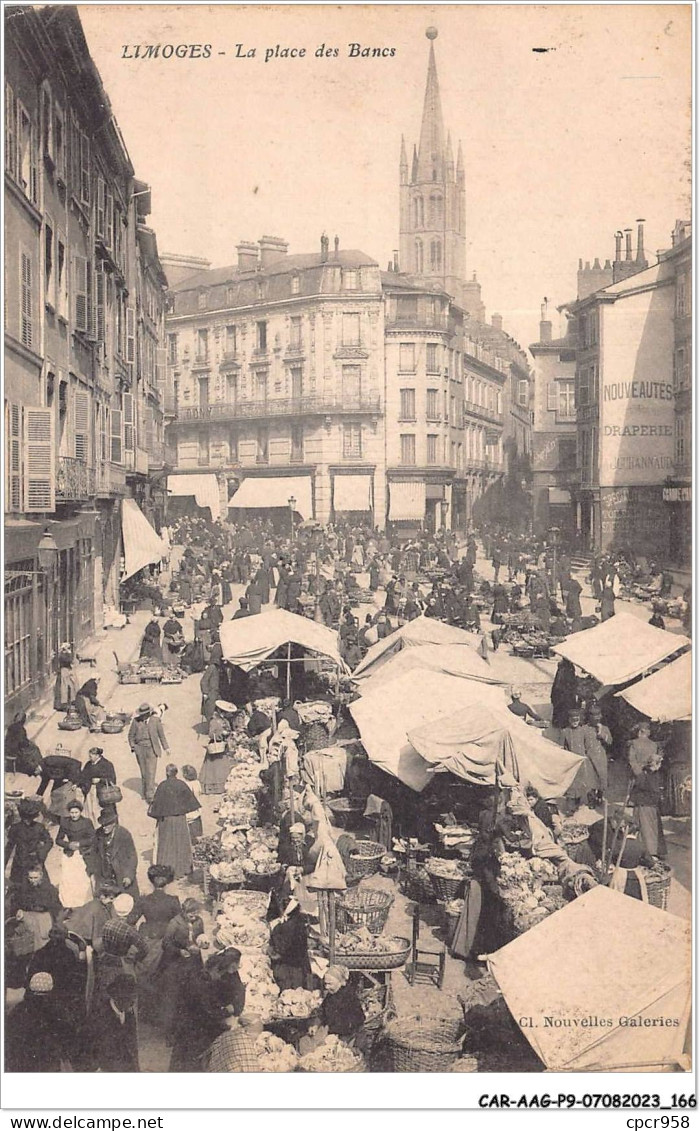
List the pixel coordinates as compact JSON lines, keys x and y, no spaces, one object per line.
{"x":545,"y":324}
{"x":640,"y":243}
{"x":272,"y":249}
{"x":336,"y":244}
{"x":618,"y":247}
{"x":396,"y":260}
{"x":497,"y":321}
{"x":628,"y":244}
{"x":324,"y":248}
{"x":247,"y":255}
{"x":390,"y":266}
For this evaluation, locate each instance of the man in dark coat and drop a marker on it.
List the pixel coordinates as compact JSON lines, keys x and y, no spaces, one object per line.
{"x":27,"y":840}
{"x":115,"y":859}
{"x":207,"y":996}
{"x":243,"y":610}
{"x":147,"y":741}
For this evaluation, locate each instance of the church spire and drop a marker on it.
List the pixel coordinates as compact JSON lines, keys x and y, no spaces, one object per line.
{"x":449,"y":159}
{"x":431,"y":148}
{"x":403,"y":162}
{"x":460,"y":163}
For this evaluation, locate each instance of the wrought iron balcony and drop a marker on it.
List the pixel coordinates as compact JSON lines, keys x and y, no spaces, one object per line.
{"x":282,"y":406}
{"x":472,"y":409}
{"x":75,"y":480}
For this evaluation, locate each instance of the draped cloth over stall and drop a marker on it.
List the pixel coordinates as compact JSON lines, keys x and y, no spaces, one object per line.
{"x":610,"y":961}
{"x":472,"y":742}
{"x":620,"y":648}
{"x":422,"y":630}
{"x":254,"y":494}
{"x":352,"y":492}
{"x":436,"y":709}
{"x":666,"y":695}
{"x":248,"y":641}
{"x":450,"y":659}
{"x":142,"y":546}
{"x":205,"y":489}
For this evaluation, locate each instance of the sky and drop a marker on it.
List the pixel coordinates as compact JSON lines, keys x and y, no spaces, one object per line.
{"x":562,"y":147}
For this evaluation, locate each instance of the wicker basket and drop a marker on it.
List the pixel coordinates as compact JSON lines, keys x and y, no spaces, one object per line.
{"x":375,"y":960}
{"x":364,"y":907}
{"x":70,"y":722}
{"x":113,"y":726}
{"x":419,"y":1044}
{"x":254,"y":902}
{"x":658,"y":884}
{"x":418,"y":886}
{"x":109,"y":794}
{"x":383,"y":995}
{"x":364,"y":859}
{"x":263,"y":881}
{"x":445,"y":887}
{"x":129,"y":677}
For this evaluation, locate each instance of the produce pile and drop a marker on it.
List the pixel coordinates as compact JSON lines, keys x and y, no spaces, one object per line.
{"x":448,"y":869}
{"x":316,"y":712}
{"x":240,"y":922}
{"x":227,"y":872}
{"x":297,"y":1003}
{"x":520,"y":883}
{"x":332,"y":1055}
{"x":360,"y":941}
{"x":460,"y":837}
{"x":274,"y":1054}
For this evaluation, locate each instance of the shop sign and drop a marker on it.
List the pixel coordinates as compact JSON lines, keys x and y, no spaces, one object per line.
{"x":677,"y":494}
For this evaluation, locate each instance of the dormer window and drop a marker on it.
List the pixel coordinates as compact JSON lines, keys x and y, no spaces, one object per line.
{"x":295,"y":284}
{"x":202,"y":300}
{"x":350,"y":280}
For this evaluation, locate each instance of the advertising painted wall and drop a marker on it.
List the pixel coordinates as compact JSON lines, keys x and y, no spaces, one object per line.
{"x":636,"y":388}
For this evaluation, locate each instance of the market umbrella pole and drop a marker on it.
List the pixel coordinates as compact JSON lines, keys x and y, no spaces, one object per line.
{"x":331,"y":927}
{"x":289,"y":671}
{"x":605,"y":831}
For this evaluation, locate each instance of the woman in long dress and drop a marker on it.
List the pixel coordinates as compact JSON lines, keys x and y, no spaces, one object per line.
{"x":151,"y":647}
{"x":217,"y":762}
{"x":89,"y":708}
{"x":151,"y":915}
{"x":172,"y":802}
{"x":66,"y":684}
{"x":76,"y":836}
{"x":97,"y":770}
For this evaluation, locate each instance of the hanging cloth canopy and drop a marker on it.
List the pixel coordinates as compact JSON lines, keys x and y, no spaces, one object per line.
{"x":205,"y":489}
{"x":142,"y":546}
{"x":620,"y":648}
{"x":255,"y":494}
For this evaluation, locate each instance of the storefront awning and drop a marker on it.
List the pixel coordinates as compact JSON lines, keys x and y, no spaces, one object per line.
{"x":253,"y":494}
{"x":406,"y":501}
{"x":142,"y":546}
{"x":352,"y":492}
{"x":559,"y":497}
{"x":205,"y":489}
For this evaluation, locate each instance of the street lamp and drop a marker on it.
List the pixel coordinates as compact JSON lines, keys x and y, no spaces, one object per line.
{"x":47,"y":556}
{"x":292,"y":507}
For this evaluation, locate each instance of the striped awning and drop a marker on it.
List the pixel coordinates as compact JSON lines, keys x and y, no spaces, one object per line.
{"x":142,"y":546}
{"x":406,"y":501}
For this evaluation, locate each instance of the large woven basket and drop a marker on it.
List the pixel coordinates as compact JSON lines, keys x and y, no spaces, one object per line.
{"x":658,"y":884}
{"x":113,"y":726}
{"x":70,"y":722}
{"x":264,"y":881}
{"x":421,"y":1044}
{"x":364,"y":907}
{"x":254,"y":902}
{"x":364,"y":859}
{"x":374,"y":960}
{"x":445,"y":887}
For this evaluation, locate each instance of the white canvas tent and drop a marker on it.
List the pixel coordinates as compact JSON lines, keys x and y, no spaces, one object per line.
{"x":620,"y":648}
{"x":248,"y":641}
{"x":597,"y":966}
{"x":253,"y":494}
{"x":387,"y":715}
{"x":666,"y":695}
{"x":450,"y":659}
{"x":204,"y":488}
{"x":422,"y":630}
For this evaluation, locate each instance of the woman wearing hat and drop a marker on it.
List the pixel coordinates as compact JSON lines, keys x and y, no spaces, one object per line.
{"x":97,"y":771}
{"x":27,"y":840}
{"x":172,"y":802}
{"x":66,"y":686}
{"x":218,"y":762}
{"x":147,"y":741}
{"x":76,"y":836}
{"x":151,"y":914}
{"x":88,"y":706}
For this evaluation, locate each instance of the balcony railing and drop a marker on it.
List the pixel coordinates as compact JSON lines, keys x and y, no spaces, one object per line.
{"x":472,"y":409}
{"x":282,"y":406}
{"x":75,"y":480}
{"x":111,"y":479}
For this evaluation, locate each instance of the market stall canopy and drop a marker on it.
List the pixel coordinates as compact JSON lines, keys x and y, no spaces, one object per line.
{"x":620,"y":648}
{"x":352,"y":492}
{"x":422,"y":630}
{"x":451,"y":659}
{"x":254,"y":494}
{"x":470,"y":742}
{"x":406,"y":501}
{"x":247,"y":641}
{"x":421,"y":702}
{"x":205,"y":489}
{"x":601,"y":963}
{"x":666,"y":695}
{"x":142,"y":546}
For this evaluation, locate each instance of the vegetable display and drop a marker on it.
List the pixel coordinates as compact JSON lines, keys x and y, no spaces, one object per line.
{"x":274,"y":1054}
{"x":520,"y":885}
{"x":333,"y":1055}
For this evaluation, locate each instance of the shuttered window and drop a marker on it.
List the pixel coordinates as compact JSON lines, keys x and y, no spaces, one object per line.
{"x":84,"y":169}
{"x":104,"y":432}
{"x":161,"y":370}
{"x":130,"y":334}
{"x":80,"y":280}
{"x":129,"y":429}
{"x":116,"y":434}
{"x":39,"y":477}
{"x":13,"y":457}
{"x":81,"y":425}
{"x":26,"y":322}
{"x":100,"y":208}
{"x":100,"y":301}
{"x":10,"y":131}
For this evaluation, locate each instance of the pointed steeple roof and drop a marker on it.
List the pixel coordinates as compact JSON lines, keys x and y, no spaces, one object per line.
{"x":449,"y":159}
{"x":460,"y":161}
{"x":403,"y":161}
{"x":414,"y":166}
{"x":431,"y":148}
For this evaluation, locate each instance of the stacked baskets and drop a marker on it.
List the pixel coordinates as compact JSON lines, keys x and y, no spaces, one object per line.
{"x":448,"y":887}
{"x":364,"y":859}
{"x":424,"y":1042}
